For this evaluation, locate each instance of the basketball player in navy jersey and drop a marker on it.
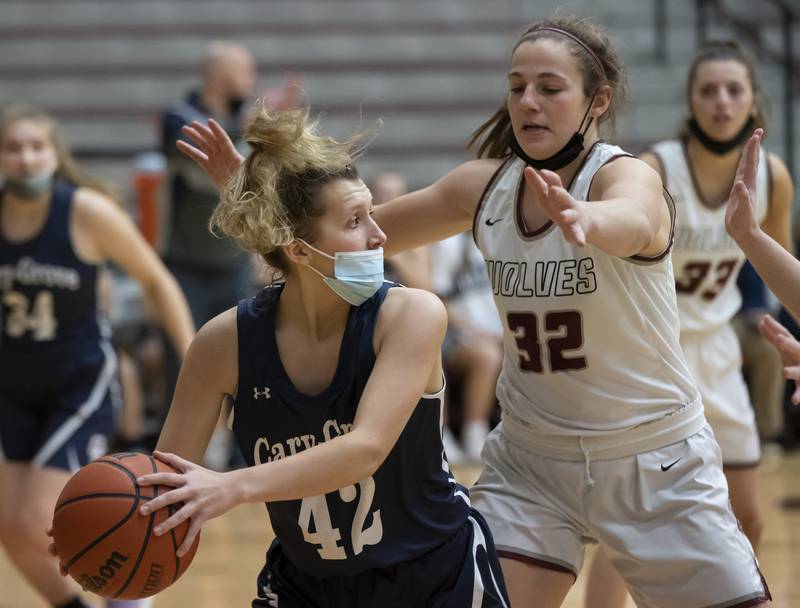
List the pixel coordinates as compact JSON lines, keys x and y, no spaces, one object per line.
{"x":57,"y":367}
{"x":726,"y":104}
{"x":603,"y":437}
{"x":338,"y":387}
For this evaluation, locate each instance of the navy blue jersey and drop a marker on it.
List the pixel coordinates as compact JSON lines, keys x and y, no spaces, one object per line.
{"x":48,"y":297}
{"x":410,"y":506}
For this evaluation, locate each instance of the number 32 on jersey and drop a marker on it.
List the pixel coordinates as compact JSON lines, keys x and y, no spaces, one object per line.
{"x":554,"y":333}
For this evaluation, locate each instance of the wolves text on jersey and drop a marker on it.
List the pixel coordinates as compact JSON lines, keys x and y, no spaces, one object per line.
{"x":546,"y":279}
{"x":264,"y":452}
{"x":28,"y":272}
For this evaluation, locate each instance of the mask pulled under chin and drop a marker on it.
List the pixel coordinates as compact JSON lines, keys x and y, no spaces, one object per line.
{"x":358,"y":275}
{"x":565,"y":155}
{"x":28,"y":188}
{"x":560,"y":159}
{"x":721,"y":147}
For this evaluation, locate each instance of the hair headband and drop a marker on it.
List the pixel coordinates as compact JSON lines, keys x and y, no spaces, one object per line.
{"x":575,"y":39}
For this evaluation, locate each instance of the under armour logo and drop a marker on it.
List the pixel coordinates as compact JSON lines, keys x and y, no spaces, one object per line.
{"x":257,"y":393}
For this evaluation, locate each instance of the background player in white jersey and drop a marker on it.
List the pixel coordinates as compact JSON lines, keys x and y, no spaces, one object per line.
{"x":338,"y":387}
{"x":725,"y":105}
{"x":603,"y":437}
{"x":57,"y":368}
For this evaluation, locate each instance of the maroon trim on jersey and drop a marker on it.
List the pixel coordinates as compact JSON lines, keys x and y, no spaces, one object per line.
{"x":532,"y":561}
{"x":520,"y":219}
{"x":521,"y":191}
{"x":672,"y":213}
{"x":492,"y":181}
{"x":758,"y":600}
{"x":696,"y":184}
{"x":662,"y":167}
{"x":605,"y":164}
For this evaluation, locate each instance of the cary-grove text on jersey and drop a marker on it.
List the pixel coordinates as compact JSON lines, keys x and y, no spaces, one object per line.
{"x":27,"y":272}
{"x":554,"y":278}
{"x":264,"y":452}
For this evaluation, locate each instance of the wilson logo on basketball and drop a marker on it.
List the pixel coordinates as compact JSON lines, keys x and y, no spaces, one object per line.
{"x":107,"y":571}
{"x":153,"y":580}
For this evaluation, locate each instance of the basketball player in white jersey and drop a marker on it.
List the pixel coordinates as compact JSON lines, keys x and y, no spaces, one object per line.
{"x":725,"y":106}
{"x":603,"y":437}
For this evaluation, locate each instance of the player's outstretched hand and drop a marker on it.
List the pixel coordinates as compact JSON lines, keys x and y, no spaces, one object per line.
{"x":789,"y":349}
{"x":204,"y":494}
{"x":51,"y":549}
{"x":740,"y":219}
{"x":213,"y":151}
{"x":559,"y":206}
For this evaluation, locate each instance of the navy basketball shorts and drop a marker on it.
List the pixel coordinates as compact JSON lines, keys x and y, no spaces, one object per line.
{"x":59,"y":416}
{"x":461,"y":573}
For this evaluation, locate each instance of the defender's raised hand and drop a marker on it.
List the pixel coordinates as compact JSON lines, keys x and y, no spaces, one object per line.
{"x":213,"y":151}
{"x":740,"y":218}
{"x":558,"y":204}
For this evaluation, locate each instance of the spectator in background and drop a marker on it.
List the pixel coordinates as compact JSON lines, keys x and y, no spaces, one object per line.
{"x":213,"y":273}
{"x":473,"y":345}
{"x":761,"y":364}
{"x":410,"y":268}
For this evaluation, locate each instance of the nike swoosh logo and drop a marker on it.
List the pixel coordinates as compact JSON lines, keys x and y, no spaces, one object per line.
{"x":492,"y":223}
{"x":669,"y":466}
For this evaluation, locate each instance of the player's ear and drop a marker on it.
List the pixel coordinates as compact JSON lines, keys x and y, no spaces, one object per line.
{"x":602,"y":101}
{"x":297,"y":253}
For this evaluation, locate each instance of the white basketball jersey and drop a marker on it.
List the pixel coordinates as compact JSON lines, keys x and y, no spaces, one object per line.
{"x":591,"y":340}
{"x":706,"y":260}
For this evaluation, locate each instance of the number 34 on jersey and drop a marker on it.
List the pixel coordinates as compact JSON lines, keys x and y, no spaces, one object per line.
{"x":22,"y":315}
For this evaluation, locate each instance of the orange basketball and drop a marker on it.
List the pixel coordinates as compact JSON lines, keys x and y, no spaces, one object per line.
{"x":103,"y":540}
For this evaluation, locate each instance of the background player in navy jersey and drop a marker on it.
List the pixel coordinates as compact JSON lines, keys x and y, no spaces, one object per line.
{"x":338,"y":387}
{"x":58,"y":369}
{"x":603,"y":437}
{"x":726,"y":104}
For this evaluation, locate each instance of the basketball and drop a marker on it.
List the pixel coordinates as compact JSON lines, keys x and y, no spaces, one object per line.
{"x":102,"y":539}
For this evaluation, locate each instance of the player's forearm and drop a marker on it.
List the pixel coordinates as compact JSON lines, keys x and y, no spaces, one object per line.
{"x":620,"y":227}
{"x":777,"y":267}
{"x":174,"y":313}
{"x":324,"y":468}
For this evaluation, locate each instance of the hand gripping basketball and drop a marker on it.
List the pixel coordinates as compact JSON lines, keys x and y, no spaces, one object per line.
{"x":102,"y":540}
{"x":197,"y":495}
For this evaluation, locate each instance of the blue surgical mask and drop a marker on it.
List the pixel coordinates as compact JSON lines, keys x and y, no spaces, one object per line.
{"x":29,"y":188}
{"x":357,"y":275}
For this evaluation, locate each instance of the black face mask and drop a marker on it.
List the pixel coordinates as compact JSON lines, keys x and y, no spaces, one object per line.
{"x":722,"y":147}
{"x":564,"y":156}
{"x":235,"y":105}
